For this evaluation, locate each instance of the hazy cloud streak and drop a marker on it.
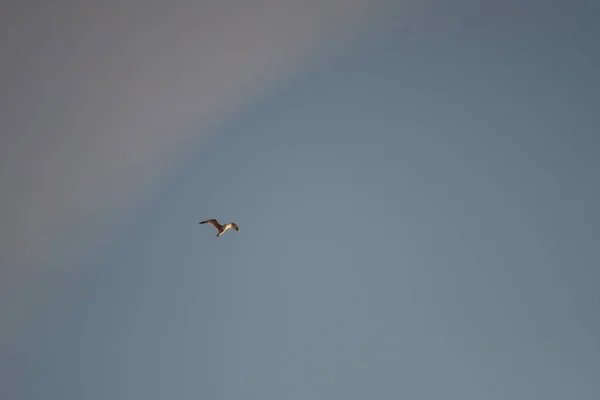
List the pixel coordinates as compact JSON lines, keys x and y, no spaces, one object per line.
{"x":97,"y":99}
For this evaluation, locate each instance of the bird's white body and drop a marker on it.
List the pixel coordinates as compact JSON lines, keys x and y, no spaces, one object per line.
{"x":221,"y":228}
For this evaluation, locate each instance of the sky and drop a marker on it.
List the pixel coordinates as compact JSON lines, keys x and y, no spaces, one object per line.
{"x":415,"y":184}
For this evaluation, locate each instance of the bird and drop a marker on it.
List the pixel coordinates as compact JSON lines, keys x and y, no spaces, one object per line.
{"x":220,"y":228}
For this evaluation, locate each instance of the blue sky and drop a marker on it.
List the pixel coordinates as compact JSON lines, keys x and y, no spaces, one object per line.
{"x":418,"y":214}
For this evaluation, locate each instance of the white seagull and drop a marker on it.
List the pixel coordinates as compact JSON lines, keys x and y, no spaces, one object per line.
{"x":220,"y":228}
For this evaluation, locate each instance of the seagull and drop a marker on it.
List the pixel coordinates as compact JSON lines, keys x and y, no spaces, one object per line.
{"x":220,"y":228}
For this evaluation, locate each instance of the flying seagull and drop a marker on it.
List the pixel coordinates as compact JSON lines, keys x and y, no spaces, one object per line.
{"x":220,"y":228}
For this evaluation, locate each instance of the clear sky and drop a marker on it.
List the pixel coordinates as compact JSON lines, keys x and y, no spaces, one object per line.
{"x":418,"y":205}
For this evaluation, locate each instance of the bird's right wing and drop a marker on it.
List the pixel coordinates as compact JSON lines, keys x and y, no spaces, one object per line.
{"x":213,"y":222}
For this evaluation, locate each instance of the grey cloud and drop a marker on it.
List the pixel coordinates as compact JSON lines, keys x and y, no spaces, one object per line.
{"x":97,"y":98}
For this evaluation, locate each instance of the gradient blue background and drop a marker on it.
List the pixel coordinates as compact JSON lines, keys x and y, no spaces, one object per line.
{"x":419,"y":220}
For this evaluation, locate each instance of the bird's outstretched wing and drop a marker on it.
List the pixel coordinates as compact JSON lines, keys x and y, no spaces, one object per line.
{"x":234,"y":226}
{"x":213,"y":222}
